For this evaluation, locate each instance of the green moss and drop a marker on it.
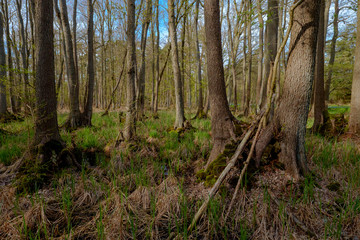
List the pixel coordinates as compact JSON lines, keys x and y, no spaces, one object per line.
{"x":211,"y":174}
{"x":38,"y":167}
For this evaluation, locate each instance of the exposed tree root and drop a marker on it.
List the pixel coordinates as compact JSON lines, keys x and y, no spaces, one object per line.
{"x":38,"y":165}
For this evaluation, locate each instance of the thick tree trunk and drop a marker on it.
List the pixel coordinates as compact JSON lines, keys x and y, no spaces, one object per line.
{"x":272,"y":25}
{"x":3,"y":105}
{"x":129,"y":128}
{"x":74,"y":119}
{"x":179,"y":98}
{"x":332,"y":50}
{"x":46,"y":126}
{"x":319,"y":96}
{"x":88,"y":108}
{"x":222,"y":127}
{"x":289,"y":122}
{"x":141,"y":84}
{"x":354,"y":123}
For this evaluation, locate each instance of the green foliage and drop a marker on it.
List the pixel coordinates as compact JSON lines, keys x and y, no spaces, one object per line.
{"x":340,"y":90}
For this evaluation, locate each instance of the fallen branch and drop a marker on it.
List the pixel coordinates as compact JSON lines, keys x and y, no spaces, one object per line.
{"x":246,"y":164}
{"x":222,"y":176}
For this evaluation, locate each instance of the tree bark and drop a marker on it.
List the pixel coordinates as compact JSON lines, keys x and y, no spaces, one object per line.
{"x":354,"y":123}
{"x":272,"y":25}
{"x":3,"y":105}
{"x":23,"y":55}
{"x":319,"y":96}
{"x":289,"y":122}
{"x":4,"y":5}
{"x":129,"y":128}
{"x":200,"y":102}
{"x":222,"y":127}
{"x":332,"y":50}
{"x":249,"y":53}
{"x":141,"y":84}
{"x":261,"y":54}
{"x":179,"y":98}
{"x":46,"y":126}
{"x":88,"y":108}
{"x":157,"y":64}
{"x":74,"y":119}
{"x":74,"y":38}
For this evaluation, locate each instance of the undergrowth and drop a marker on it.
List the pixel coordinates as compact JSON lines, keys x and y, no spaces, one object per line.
{"x":149,"y":189}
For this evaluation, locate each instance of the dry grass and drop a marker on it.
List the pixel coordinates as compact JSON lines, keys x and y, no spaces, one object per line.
{"x":146,"y":194}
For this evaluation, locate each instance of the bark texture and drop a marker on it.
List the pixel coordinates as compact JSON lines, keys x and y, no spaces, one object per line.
{"x":179,"y":98}
{"x":3,"y":106}
{"x":129,"y":128}
{"x":319,"y":92}
{"x":289,"y":122}
{"x":249,"y":58}
{"x":271,"y":39}
{"x":261,"y":53}
{"x":91,"y":68}
{"x":23,"y":52}
{"x":222,"y":126}
{"x":141,"y":84}
{"x":74,"y":120}
{"x":200,"y":102}
{"x":9,"y":63}
{"x":332,"y":49}
{"x":46,"y":125}
{"x":354,"y":123}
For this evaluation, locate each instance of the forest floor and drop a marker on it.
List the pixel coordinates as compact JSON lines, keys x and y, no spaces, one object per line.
{"x":149,"y":189}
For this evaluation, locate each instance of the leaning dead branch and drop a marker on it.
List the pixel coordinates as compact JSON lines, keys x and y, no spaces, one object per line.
{"x":221,"y":178}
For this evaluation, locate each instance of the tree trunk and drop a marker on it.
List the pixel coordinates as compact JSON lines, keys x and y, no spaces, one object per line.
{"x":157,"y":65}
{"x":3,"y":105}
{"x":74,"y":119}
{"x":4,"y":5}
{"x":354,"y":123}
{"x":248,"y":83}
{"x":141,"y":84}
{"x":88,"y":108}
{"x":261,"y":54}
{"x":200,"y":102}
{"x":23,"y":52}
{"x":46,"y":125}
{"x":74,"y":38}
{"x":332,"y":50}
{"x":129,"y":128}
{"x":319,"y":96}
{"x":289,"y":122}
{"x":222,"y":127}
{"x":271,"y":31}
{"x":180,"y":116}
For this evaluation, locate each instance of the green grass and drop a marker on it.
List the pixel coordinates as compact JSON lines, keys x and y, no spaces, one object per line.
{"x":160,"y":154}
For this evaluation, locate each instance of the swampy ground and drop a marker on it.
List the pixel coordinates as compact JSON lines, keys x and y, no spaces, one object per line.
{"x":151,"y":189}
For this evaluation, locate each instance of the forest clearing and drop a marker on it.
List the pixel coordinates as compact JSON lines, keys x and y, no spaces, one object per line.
{"x":180,"y":119}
